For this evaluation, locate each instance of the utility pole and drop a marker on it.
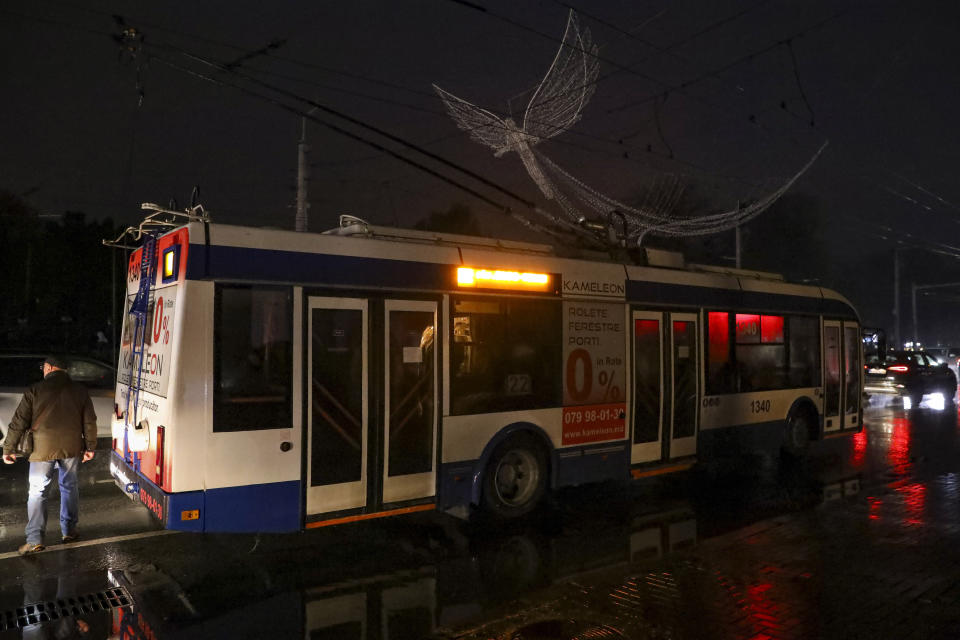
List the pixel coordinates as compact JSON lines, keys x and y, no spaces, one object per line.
{"x":302,"y":221}
{"x":896,"y":298}
{"x":913,"y":291}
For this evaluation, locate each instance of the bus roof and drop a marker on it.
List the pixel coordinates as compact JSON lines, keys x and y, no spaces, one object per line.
{"x":384,"y":252}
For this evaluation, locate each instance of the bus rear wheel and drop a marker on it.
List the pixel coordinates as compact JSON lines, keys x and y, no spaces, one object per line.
{"x":515,"y":479}
{"x":797,"y":434}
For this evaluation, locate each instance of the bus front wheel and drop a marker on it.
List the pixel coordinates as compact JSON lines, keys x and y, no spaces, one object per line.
{"x":515,"y":479}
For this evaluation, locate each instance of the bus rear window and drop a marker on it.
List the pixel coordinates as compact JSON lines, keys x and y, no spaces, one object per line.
{"x":252,"y":358}
{"x":505,"y":355}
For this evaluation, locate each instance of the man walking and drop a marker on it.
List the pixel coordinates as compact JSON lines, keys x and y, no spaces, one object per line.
{"x":60,"y":414}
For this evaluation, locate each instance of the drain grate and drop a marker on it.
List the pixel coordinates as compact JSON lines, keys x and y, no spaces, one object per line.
{"x":73,"y":606}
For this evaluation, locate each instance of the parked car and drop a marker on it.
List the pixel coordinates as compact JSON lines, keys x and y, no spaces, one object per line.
{"x":909,"y":374}
{"x":20,"y":370}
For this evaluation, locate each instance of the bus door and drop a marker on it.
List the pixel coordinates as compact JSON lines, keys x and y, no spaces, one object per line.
{"x":341,"y":393}
{"x":337,"y":404}
{"x":852,"y":374}
{"x":841,"y":375}
{"x":665,"y":386}
{"x":409,"y":429}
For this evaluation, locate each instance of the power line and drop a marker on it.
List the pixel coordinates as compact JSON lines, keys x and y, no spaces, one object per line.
{"x":618,"y":66}
{"x":667,"y":50}
{"x":313,"y":117}
{"x":923,"y":189}
{"x":268,"y":51}
{"x":733,"y":63}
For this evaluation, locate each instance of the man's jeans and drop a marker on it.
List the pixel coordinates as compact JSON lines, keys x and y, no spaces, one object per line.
{"x":41,"y":474}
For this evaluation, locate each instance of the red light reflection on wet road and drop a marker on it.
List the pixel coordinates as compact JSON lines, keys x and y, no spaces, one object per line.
{"x":898,"y":451}
{"x":763,"y":612}
{"x":915,"y":503}
{"x":859,"y":449}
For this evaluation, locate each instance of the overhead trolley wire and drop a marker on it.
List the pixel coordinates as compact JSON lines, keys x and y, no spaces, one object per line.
{"x":353,"y":136}
{"x":303,"y":113}
{"x":268,"y":51}
{"x":352,"y":120}
{"x":618,"y":66}
{"x":630,"y":68}
{"x":733,"y":63}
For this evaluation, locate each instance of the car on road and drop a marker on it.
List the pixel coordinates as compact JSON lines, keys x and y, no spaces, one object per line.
{"x":20,"y":370}
{"x":949,"y":355}
{"x":909,"y":374}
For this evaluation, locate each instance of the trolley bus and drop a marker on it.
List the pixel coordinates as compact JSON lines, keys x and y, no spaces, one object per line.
{"x":272,"y":380}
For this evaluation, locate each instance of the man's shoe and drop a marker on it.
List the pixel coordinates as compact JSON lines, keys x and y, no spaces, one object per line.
{"x":30,"y":548}
{"x":67,"y":539}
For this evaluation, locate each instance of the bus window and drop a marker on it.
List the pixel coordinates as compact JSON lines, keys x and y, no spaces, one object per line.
{"x":769,"y":352}
{"x":505,"y":355}
{"x":410,"y":357}
{"x":720,"y":378}
{"x":648,"y":388}
{"x":252,"y":358}
{"x":760,"y":353}
{"x":685,"y":370}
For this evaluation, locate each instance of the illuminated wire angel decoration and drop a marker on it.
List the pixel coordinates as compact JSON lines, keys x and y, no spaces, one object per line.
{"x":556,"y":105}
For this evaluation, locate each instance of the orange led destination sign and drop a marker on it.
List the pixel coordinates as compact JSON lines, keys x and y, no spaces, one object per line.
{"x":502,"y":279}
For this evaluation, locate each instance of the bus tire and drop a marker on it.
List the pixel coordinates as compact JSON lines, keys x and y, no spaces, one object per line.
{"x":797,"y":433}
{"x":515,"y":479}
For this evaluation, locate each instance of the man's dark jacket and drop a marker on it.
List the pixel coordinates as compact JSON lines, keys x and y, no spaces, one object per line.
{"x":61,"y":415}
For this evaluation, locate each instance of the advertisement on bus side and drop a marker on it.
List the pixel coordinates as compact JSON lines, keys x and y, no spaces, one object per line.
{"x":157,"y":348}
{"x":594,"y":379}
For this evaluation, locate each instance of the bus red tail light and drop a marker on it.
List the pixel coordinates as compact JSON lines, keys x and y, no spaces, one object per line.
{"x":899,"y":368}
{"x":161,"y":447}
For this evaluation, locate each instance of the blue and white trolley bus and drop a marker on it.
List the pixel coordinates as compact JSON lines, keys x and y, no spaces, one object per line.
{"x":275,"y":381}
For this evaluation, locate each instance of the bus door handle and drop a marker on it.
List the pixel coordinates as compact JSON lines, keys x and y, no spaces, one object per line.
{"x":286,"y":446}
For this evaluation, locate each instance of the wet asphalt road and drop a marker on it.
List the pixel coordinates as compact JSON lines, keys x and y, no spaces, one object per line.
{"x":862,"y":539}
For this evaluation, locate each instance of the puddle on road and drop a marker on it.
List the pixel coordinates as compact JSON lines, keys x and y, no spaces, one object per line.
{"x":417,"y":578}
{"x":420,"y":579}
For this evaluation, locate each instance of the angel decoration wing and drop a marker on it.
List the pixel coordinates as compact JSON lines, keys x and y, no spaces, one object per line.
{"x":554,"y":107}
{"x":484,"y":127}
{"x":558,"y":102}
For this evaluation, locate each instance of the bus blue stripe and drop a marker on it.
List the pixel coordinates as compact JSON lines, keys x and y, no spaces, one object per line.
{"x":239,"y":263}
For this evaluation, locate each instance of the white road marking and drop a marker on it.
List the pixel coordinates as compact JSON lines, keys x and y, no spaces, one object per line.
{"x":91,"y":543}
{"x":103,"y":481}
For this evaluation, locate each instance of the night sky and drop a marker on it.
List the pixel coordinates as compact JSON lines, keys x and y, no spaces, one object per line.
{"x":731,"y":97}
